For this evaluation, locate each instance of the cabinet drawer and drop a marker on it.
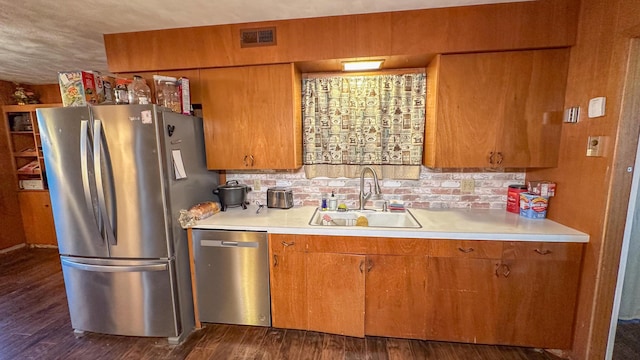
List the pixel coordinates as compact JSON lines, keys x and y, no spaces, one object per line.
{"x":288,"y":243}
{"x":477,"y":249}
{"x":543,"y":251}
{"x":367,"y":245}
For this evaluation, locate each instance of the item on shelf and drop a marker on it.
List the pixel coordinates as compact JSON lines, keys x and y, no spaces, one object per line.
{"x":31,"y":168}
{"x":121,"y":92}
{"x":24,"y":96}
{"x":20,"y":122}
{"x":78,"y":88}
{"x":139,"y":91}
{"x":109,"y":87}
{"x":167,"y":92}
{"x":31,"y":184}
{"x":185,"y":95}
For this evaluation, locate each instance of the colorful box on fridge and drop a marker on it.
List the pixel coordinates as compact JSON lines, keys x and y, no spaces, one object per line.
{"x":185,"y":95}
{"x":78,"y":88}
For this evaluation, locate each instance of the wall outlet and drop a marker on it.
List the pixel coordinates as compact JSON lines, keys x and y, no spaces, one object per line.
{"x":595,"y":145}
{"x":256,"y":185}
{"x":467,"y":185}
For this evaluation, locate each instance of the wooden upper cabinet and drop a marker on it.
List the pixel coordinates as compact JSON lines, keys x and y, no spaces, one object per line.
{"x":500,"y":109}
{"x":252,"y":117}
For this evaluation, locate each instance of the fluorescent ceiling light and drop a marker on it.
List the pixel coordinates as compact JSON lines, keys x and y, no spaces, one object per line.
{"x":362,"y":65}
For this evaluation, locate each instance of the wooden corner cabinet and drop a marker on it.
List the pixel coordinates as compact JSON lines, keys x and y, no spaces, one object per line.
{"x":252,"y":117}
{"x":499,"y":109}
{"x":25,"y":148}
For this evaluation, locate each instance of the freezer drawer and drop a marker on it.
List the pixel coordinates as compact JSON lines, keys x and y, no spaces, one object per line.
{"x":122,"y":297}
{"x":232,"y":277}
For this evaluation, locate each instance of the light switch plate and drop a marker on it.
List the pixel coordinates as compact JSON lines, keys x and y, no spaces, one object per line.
{"x":572,"y":114}
{"x":597,"y":107}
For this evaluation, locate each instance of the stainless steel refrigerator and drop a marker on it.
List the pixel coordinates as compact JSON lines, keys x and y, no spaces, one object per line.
{"x":118,"y":176}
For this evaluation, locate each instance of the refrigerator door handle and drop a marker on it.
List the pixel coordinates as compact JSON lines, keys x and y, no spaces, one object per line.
{"x":114,"y":268}
{"x":97,"y":166}
{"x":84,"y":156}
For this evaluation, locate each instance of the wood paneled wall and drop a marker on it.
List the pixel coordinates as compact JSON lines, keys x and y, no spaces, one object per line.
{"x":10,"y":217}
{"x":593,"y":192}
{"x":520,"y":25}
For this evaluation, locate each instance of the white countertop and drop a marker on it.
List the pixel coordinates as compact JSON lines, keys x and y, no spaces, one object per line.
{"x":471,"y":224}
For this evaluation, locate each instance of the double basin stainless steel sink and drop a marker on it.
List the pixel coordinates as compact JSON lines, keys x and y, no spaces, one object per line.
{"x":374,"y":218}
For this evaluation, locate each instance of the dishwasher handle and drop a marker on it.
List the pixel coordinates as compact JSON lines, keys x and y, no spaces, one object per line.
{"x":230,"y":244}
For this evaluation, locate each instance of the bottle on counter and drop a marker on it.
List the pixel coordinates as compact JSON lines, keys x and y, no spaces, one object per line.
{"x":323,"y":203}
{"x":333,"y":202}
{"x":139,"y":91}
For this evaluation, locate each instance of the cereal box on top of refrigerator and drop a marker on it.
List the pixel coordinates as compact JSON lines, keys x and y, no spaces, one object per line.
{"x":77,"y":88}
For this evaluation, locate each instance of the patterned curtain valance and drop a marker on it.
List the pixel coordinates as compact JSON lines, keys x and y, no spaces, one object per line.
{"x":364,"y":120}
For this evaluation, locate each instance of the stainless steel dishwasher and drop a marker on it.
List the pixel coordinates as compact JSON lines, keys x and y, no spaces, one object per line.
{"x":232,"y":277}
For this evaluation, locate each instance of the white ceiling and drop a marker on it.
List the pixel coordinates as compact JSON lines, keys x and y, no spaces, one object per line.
{"x":38,"y":38}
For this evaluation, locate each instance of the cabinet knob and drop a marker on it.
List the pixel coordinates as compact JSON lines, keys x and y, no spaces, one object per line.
{"x":466,"y":250}
{"x":287,"y":244}
{"x":500,"y":158}
{"x":491,"y":154}
{"x":275,"y":260}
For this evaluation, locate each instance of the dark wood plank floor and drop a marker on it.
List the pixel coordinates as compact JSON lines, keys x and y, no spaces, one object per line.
{"x":34,"y":324}
{"x":627,"y":342}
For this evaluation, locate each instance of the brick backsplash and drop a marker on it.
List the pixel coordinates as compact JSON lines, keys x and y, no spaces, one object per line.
{"x":434,"y":189}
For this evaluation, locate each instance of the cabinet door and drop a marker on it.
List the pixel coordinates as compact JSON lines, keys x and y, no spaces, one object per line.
{"x":463,"y":113}
{"x":538,"y":297}
{"x":463,"y":299}
{"x":533,"y":107}
{"x":335,"y":293}
{"x":501,"y":109}
{"x":396,"y":288}
{"x":252,"y":117}
{"x":462,"y":294}
{"x":37,"y":217}
{"x":288,"y":282}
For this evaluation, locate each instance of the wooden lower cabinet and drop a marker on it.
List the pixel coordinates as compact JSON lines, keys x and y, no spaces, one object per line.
{"x":463,"y":294}
{"x":288,"y":282}
{"x":395,"y":293}
{"x":37,"y":217}
{"x":538,"y":296}
{"x":463,"y":300}
{"x":335,"y":293}
{"x":491,"y":292}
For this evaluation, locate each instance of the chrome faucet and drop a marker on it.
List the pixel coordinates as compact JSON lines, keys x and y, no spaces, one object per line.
{"x":364,"y":197}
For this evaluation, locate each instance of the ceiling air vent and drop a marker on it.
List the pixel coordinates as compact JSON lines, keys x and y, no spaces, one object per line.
{"x":257,"y":37}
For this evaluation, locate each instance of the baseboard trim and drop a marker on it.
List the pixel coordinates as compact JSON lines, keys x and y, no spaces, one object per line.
{"x":10,"y":249}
